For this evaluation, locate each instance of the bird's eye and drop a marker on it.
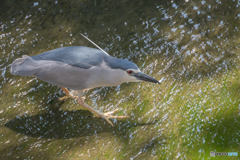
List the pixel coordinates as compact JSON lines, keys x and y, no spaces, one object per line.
{"x":129,"y":72}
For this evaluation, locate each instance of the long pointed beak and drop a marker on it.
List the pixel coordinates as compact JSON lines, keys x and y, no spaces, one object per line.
{"x":144,"y":77}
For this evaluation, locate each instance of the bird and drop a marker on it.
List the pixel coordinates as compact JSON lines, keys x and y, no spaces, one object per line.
{"x":80,"y":68}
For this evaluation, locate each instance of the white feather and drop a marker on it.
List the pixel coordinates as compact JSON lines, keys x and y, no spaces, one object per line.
{"x":94,"y":44}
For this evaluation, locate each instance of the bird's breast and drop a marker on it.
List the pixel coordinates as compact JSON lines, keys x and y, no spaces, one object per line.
{"x":105,"y":77}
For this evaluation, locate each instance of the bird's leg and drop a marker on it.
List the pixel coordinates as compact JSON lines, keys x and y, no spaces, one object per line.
{"x":80,"y":101}
{"x":105,"y":116}
{"x":68,"y":94}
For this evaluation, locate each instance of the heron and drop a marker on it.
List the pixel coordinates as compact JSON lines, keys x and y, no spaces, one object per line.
{"x":80,"y":68}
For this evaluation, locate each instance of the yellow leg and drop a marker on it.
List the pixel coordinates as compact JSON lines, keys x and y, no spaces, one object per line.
{"x":105,"y":116}
{"x":68,"y":94}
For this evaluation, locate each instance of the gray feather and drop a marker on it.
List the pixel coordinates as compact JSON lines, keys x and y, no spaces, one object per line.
{"x":23,"y":66}
{"x":84,"y":57}
{"x":73,"y":67}
{"x":123,"y":64}
{"x":78,"y":56}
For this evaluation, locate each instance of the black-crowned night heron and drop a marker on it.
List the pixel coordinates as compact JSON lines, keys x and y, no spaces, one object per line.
{"x":80,"y":68}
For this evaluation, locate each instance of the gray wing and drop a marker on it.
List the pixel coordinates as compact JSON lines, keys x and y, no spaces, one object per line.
{"x":78,"y":56}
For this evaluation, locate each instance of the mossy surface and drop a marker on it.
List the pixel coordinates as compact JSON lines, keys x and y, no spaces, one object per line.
{"x":191,"y":46}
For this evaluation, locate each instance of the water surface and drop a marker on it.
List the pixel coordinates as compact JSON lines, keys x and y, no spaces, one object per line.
{"x":191,"y":46}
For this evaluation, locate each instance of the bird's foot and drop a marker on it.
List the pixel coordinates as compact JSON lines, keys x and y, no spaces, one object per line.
{"x":68,"y":96}
{"x":72,"y":94}
{"x":105,"y":116}
{"x":109,"y":115}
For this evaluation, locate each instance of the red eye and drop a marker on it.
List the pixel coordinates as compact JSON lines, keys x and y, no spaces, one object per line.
{"x":129,"y":72}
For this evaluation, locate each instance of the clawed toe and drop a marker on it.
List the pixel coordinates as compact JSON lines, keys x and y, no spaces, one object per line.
{"x":71,"y":94}
{"x":109,"y":115}
{"x":66,"y":97}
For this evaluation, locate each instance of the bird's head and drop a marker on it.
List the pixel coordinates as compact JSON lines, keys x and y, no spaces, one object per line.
{"x":131,"y":71}
{"x":135,"y":75}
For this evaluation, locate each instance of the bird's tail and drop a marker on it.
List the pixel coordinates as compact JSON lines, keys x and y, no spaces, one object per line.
{"x":23,"y":66}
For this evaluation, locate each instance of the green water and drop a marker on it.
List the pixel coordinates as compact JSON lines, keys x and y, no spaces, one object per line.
{"x":191,"y":46}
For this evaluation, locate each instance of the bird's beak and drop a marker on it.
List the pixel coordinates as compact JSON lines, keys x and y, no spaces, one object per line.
{"x":144,"y":77}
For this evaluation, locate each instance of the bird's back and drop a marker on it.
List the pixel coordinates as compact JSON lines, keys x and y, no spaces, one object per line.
{"x":78,"y":56}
